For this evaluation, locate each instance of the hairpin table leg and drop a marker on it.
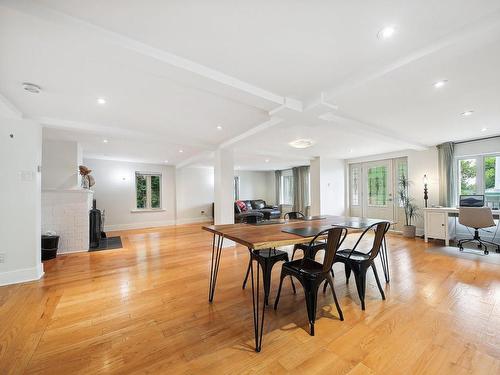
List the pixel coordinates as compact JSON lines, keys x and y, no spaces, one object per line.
{"x":214,"y":264}
{"x":385,"y":260}
{"x":258,"y":320}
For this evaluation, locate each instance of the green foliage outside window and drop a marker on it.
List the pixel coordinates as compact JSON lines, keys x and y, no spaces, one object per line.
{"x":140,"y":182}
{"x":489,"y":172}
{"x":468,"y":173}
{"x":155,"y":191}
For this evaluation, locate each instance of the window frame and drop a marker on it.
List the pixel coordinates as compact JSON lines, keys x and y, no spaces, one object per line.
{"x":288,"y":174}
{"x":480,"y":178}
{"x":148,"y":176}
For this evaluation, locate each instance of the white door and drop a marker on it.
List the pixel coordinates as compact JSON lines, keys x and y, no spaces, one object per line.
{"x":378,"y":184}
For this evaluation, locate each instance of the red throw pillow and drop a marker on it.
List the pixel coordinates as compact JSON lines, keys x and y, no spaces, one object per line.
{"x":242,"y":206}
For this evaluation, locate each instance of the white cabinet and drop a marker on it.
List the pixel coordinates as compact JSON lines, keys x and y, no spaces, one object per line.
{"x":437,"y":224}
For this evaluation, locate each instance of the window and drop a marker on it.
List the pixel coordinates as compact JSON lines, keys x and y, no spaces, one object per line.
{"x":377,"y":186}
{"x":480,"y":175}
{"x":236,"y":188}
{"x":401,"y":170}
{"x":468,"y":176}
{"x":355,"y":185}
{"x":286,"y":187}
{"x":148,"y":190}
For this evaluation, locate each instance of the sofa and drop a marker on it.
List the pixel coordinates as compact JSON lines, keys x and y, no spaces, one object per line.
{"x":255,"y":207}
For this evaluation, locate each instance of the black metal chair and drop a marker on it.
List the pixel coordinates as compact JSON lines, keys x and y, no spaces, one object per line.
{"x":309,"y":251}
{"x":266,"y":259}
{"x":293,"y":215}
{"x":358,"y":262}
{"x":252,"y":218}
{"x":311,"y":273}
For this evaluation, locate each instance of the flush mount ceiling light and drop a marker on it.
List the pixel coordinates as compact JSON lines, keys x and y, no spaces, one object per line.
{"x":484,"y":129}
{"x":101,"y":101}
{"x":31,"y":87}
{"x":105,"y":141}
{"x":301,"y":143}
{"x":267,"y":160}
{"x":181,"y":151}
{"x":387,"y":32}
{"x":219,"y":127}
{"x":440,"y":84}
{"x":467,"y":113}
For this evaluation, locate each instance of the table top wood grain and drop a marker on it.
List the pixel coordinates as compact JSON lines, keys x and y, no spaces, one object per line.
{"x":272,"y":235}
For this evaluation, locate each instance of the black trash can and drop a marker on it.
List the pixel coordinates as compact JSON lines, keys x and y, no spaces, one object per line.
{"x":49,"y":247}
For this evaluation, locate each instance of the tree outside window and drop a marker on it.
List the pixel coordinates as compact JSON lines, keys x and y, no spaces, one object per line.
{"x":148,"y":190}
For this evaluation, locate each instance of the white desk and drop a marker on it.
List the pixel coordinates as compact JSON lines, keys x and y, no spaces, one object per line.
{"x":440,"y":223}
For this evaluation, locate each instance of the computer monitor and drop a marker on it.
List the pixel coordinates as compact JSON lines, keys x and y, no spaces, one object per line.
{"x":471,"y":200}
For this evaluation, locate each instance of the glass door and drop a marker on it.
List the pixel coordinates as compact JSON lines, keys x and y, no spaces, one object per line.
{"x":378,"y":183}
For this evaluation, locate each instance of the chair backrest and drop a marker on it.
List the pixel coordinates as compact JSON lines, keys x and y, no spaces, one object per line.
{"x":293,"y":215}
{"x":335,"y":237}
{"x":476,"y":217}
{"x":381,"y":229}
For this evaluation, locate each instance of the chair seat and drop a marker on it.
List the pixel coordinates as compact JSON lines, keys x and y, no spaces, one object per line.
{"x":270,"y":253}
{"x":316,"y":247}
{"x":304,"y":266}
{"x":356,"y":255}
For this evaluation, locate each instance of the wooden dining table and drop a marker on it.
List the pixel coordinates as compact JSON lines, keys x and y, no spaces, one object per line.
{"x":271,"y":234}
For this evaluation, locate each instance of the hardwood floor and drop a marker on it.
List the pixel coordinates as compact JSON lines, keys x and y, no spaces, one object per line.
{"x":144,"y":309}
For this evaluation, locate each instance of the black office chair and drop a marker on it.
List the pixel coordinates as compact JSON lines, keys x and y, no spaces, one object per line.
{"x":311,"y":273}
{"x":309,"y":251}
{"x":358,"y":262}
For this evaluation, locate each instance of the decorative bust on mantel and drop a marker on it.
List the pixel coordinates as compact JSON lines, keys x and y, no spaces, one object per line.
{"x":87,"y":180}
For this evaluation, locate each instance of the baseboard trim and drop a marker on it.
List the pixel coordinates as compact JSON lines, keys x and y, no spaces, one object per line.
{"x":22,"y":275}
{"x":152,"y":224}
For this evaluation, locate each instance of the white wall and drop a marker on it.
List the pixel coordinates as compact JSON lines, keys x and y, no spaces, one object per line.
{"x":60,"y":160}
{"x":195,"y":193}
{"x":327,"y":186}
{"x":114,"y":191}
{"x":257,"y":185}
{"x":481,"y":147}
{"x":20,"y":223}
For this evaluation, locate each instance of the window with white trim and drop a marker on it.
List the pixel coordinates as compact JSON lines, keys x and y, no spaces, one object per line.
{"x":286,"y":187}
{"x":480,"y":174}
{"x":148,"y":190}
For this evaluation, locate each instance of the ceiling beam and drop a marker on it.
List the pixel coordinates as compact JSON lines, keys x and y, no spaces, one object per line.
{"x":471,"y":35}
{"x":8,"y":109}
{"x":50,"y":15}
{"x":120,"y":133}
{"x":362,"y":127}
{"x":273,"y":121}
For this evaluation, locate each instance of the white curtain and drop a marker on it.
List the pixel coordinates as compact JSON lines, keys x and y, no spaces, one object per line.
{"x":300,"y":188}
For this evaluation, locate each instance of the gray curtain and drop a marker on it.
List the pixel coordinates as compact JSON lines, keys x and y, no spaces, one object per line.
{"x":447,"y":176}
{"x":277,"y":184}
{"x":300,"y":188}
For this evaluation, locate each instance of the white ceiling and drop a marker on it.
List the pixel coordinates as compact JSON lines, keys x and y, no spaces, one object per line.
{"x":172,"y":71}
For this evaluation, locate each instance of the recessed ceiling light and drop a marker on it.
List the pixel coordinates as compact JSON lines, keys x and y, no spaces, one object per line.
{"x":441,"y":83}
{"x":350,"y":151}
{"x":219,"y":127}
{"x":267,"y":160}
{"x":31,"y":87}
{"x":181,"y":151}
{"x":484,"y":129}
{"x":301,"y":143}
{"x":387,"y":32}
{"x":105,"y":140}
{"x":101,"y":101}
{"x":166,"y":161}
{"x":467,"y":113}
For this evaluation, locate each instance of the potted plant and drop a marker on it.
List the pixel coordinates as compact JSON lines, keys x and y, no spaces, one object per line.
{"x":410,"y":208}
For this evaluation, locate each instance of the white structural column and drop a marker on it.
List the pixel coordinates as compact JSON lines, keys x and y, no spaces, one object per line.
{"x":20,"y":158}
{"x":327,"y":186}
{"x":223,"y":186}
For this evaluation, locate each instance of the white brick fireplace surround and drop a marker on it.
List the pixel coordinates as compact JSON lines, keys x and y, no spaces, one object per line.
{"x":67,"y":213}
